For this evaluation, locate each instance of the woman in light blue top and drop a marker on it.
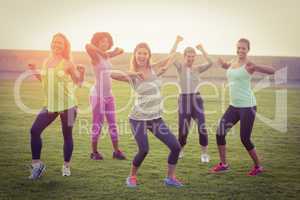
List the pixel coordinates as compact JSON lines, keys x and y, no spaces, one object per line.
{"x":242,"y":105}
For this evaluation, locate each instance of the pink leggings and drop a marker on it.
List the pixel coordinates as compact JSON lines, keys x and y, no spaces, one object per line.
{"x":100,"y":107}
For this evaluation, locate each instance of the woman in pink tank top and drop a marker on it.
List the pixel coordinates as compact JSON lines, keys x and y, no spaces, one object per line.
{"x":101,"y":99}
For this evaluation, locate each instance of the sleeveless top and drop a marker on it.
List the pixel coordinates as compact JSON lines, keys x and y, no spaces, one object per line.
{"x":148,"y":100}
{"x":58,"y":88}
{"x":102,"y":86}
{"x":240,"y":92}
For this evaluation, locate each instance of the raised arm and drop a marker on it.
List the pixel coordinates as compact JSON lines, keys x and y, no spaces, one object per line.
{"x":77,"y":74}
{"x":223,"y":63}
{"x":35,"y":72}
{"x":92,"y":50}
{"x":117,"y":51}
{"x":203,"y":67}
{"x":164,"y":62}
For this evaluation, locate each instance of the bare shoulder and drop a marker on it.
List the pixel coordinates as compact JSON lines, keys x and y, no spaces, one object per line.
{"x":68,"y":64}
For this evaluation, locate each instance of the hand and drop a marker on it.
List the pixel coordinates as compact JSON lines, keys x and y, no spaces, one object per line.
{"x":250,"y":66}
{"x":221,"y":61}
{"x":31,"y":66}
{"x":199,"y":46}
{"x":119,"y":50}
{"x":139,"y":75}
{"x":179,"y":39}
{"x":81,"y":69}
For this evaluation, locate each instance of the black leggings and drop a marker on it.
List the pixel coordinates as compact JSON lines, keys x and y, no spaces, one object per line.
{"x":246,"y":116}
{"x":43,"y":120}
{"x":161,"y":131}
{"x":191,"y":107}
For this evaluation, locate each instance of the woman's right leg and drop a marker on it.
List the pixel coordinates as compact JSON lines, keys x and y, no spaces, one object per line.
{"x":228,"y":120}
{"x":139,"y":130}
{"x":184,"y":118}
{"x":43,"y":120}
{"x":98,"y":117}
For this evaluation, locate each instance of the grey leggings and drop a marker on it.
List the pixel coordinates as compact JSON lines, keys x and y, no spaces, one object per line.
{"x":161,"y":131}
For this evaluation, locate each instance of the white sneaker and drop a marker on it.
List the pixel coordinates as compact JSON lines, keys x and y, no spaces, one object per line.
{"x":37,"y":170}
{"x":205,"y":158}
{"x":181,"y":154}
{"x":66,"y":171}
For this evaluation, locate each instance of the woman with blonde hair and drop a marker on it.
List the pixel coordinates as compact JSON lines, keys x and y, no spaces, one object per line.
{"x":58,"y":76}
{"x":146,"y":113}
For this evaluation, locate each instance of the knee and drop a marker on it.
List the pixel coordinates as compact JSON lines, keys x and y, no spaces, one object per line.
{"x":143,"y":152}
{"x":247,"y":143}
{"x":176,"y":148}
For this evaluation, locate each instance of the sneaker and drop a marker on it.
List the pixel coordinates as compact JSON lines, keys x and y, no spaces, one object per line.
{"x":205,"y":158}
{"x":256,"y":170}
{"x":119,"y":155}
{"x":220,"y":168}
{"x":131,"y":182}
{"x":66,"y":171}
{"x":37,"y":170}
{"x":172,"y":182}
{"x":181,"y":154}
{"x":96,"y":156}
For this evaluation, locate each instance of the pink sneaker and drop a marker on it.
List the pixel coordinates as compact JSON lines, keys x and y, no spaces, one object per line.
{"x":96,"y":156}
{"x":131,"y":182}
{"x":220,"y":168}
{"x":256,"y":170}
{"x":119,"y":155}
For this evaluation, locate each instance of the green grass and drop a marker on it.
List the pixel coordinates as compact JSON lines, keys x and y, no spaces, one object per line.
{"x":280,"y":153}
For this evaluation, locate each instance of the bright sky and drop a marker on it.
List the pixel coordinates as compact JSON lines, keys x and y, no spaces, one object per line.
{"x":273,"y":26}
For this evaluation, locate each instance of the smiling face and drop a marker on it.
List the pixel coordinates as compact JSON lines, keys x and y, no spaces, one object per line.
{"x":242,"y":49}
{"x":58,"y":45}
{"x":104,"y":44}
{"x":142,"y":56}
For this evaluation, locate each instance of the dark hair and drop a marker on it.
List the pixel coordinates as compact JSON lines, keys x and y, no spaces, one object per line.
{"x":133,"y":66}
{"x":99,"y":36}
{"x":245,"y":41}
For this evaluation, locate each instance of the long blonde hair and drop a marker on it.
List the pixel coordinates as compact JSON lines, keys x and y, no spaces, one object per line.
{"x":134,"y":65}
{"x":66,"y":54}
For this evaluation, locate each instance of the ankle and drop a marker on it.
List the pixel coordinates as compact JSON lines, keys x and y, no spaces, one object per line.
{"x":36,"y":164}
{"x":224,"y":163}
{"x":204,"y":149}
{"x":67,"y":164}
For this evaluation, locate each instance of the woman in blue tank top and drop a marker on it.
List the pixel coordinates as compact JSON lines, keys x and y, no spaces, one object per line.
{"x":242,"y":105}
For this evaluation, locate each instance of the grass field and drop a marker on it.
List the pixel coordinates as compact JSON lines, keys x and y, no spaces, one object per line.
{"x":280,"y":153}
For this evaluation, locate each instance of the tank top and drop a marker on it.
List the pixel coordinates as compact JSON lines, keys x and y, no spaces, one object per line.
{"x":58,"y":88}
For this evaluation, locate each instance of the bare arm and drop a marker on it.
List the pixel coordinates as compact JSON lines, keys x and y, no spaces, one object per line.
{"x":125,"y":76}
{"x":77,"y":74}
{"x":35,"y":72}
{"x":117,"y":51}
{"x":203,"y":67}
{"x":223,"y":63}
{"x":92,"y":50}
{"x":166,"y":61}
